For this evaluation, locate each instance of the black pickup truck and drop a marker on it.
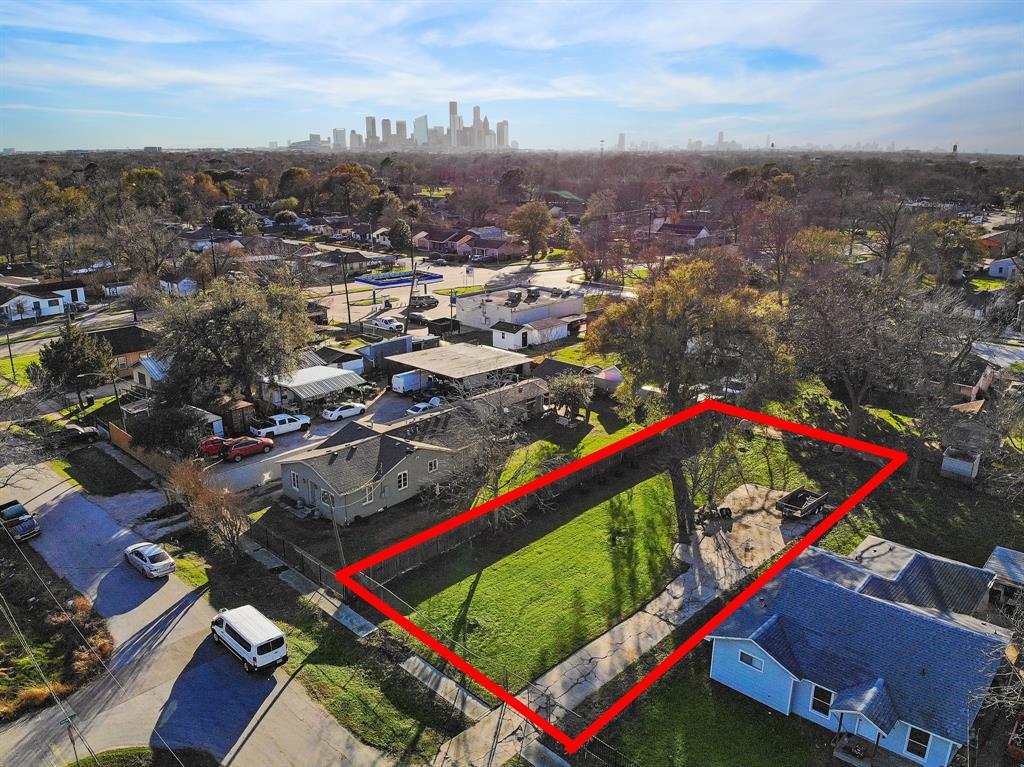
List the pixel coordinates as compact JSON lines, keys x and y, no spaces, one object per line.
{"x":18,"y":521}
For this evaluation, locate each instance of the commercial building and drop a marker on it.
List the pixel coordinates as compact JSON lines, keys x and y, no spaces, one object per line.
{"x":420,"y":130}
{"x":519,"y":307}
{"x":339,"y":139}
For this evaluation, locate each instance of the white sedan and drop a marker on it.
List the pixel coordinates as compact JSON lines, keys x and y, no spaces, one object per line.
{"x":342,"y":411}
{"x":422,"y":407}
{"x":149,"y":559}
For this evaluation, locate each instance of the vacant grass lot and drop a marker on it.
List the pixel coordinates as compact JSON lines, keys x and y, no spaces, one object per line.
{"x":352,"y":679}
{"x":575,"y":353}
{"x":535,"y":606}
{"x":97,"y":472}
{"x":62,"y":656}
{"x":986,"y":283}
{"x":459,"y":291}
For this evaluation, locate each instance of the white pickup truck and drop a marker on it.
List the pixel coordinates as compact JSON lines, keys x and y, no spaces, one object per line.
{"x":282,"y":423}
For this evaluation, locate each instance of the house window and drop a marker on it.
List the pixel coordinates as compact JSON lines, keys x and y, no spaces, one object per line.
{"x":122,"y":362}
{"x":368,"y":498}
{"x":431,"y":465}
{"x":755,"y":663}
{"x":917,"y":743}
{"x":403,"y":480}
{"x":821,"y":701}
{"x":53,"y":302}
{"x":295,"y":480}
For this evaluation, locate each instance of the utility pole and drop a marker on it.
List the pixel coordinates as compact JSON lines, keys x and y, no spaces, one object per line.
{"x":344,"y":276}
{"x":10,"y":354}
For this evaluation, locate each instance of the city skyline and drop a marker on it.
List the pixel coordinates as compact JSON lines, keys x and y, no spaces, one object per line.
{"x":194,"y":75}
{"x":475,"y":136}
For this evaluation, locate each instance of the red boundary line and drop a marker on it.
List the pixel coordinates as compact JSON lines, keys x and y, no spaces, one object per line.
{"x":346,"y":575}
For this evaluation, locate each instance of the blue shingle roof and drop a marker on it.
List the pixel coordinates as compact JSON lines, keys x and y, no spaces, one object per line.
{"x":872,"y":700}
{"x":932,"y":582}
{"x":832,"y":635}
{"x":1007,"y":563}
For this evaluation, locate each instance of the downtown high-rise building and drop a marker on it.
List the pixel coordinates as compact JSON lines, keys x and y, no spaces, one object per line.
{"x":371,"y":130}
{"x":420,"y":130}
{"x":621,"y":146}
{"x":502,"y":138}
{"x":385,"y":132}
{"x":400,"y":137}
{"x":454,"y":122}
{"x":339,"y":139}
{"x":355,"y":141}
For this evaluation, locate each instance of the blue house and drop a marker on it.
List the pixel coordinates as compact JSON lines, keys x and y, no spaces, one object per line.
{"x":885,"y":646}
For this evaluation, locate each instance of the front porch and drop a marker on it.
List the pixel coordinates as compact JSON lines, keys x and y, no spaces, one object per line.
{"x":860,"y":752}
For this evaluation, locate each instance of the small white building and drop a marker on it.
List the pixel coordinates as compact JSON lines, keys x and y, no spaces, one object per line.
{"x":382,"y":236}
{"x":176,"y":285}
{"x":509,"y":335}
{"x":482,"y":311}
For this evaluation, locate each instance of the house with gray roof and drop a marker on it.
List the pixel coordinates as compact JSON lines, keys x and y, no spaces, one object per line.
{"x":889,"y":648}
{"x":362,"y":472}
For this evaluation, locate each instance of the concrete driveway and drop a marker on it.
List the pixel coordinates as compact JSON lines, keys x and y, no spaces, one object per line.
{"x":174,"y":678}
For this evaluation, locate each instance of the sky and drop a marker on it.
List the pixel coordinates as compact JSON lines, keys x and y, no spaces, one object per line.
{"x":566,"y":75}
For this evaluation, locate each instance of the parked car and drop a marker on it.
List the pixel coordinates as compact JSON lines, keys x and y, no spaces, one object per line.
{"x":246,"y":446}
{"x":149,"y":559}
{"x":342,"y":411}
{"x":80,"y":306}
{"x":439,"y":262}
{"x":422,"y":407}
{"x":215,"y":446}
{"x":279,"y":424}
{"x":419,"y":318}
{"x":251,"y":636}
{"x":72,"y":433}
{"x":482,"y":259}
{"x":387,"y":323}
{"x":19,"y":521}
{"x":423,"y":302}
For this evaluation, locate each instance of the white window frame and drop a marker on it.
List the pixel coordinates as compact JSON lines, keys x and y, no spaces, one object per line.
{"x":831,"y":700}
{"x":927,"y":743}
{"x":754,"y":662}
{"x":432,"y":466}
{"x":403,"y":480}
{"x":295,"y":480}
{"x":368,"y":496}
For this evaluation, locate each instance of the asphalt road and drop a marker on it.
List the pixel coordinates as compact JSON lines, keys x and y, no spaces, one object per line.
{"x":175,"y":679}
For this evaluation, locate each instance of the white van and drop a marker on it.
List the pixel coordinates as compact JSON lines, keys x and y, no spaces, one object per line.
{"x":251,"y":636}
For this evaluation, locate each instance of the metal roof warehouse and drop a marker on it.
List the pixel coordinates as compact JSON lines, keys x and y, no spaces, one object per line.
{"x":466,"y":363}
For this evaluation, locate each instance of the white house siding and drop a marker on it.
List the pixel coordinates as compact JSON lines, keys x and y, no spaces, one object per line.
{"x":472,"y":312}
{"x":32,"y":308}
{"x":771,"y":686}
{"x":547,"y":335}
{"x":1002,"y":267}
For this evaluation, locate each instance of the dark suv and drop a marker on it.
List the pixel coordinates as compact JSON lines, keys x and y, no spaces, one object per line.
{"x":423,"y":302}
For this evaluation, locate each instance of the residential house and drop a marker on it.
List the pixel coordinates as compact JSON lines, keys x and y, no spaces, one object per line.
{"x":116,"y":289}
{"x":17,"y":304}
{"x":887,"y":647}
{"x":149,"y":371}
{"x":480,"y":248}
{"x":606,"y":380}
{"x":360,"y":472}
{"x":1008,"y":566}
{"x":71,"y":291}
{"x":509,"y":335}
{"x":1004,"y":268}
{"x":381,"y":236}
{"x":362,"y":233}
{"x":352,"y":262}
{"x":688,"y":234}
{"x":519,"y":307}
{"x":178,"y":285}
{"x":435,"y":240}
{"x":127,"y":346}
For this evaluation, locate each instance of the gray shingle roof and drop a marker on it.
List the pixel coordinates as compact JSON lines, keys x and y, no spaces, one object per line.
{"x":845,"y":640}
{"x":350,"y":467}
{"x":871,"y":699}
{"x":1007,"y":563}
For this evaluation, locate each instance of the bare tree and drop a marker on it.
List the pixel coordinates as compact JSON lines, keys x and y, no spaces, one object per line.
{"x":212,"y":511}
{"x":21,"y":449}
{"x":893,"y":222}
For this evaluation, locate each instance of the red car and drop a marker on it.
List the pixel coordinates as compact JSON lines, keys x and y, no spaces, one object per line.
{"x":244,"y":446}
{"x":214,"y":446}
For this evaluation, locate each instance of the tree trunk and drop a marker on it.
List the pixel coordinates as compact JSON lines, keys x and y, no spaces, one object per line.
{"x":685,"y":510}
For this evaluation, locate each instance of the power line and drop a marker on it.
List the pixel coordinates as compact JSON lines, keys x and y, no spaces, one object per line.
{"x":87,"y":643}
{"x":8,"y":614}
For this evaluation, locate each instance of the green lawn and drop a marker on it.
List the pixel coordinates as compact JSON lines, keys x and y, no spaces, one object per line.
{"x":74,"y":413}
{"x":97,"y":472}
{"x":21,"y":363}
{"x":459,"y":291}
{"x":365,"y":691}
{"x":577,"y":354}
{"x":536,"y":606}
{"x":141,"y":756}
{"x":436,"y":191}
{"x":986,"y":283}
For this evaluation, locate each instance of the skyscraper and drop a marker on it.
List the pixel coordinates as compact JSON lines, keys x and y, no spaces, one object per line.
{"x":371,"y":130}
{"x":339,"y":139}
{"x":385,"y":131}
{"x":503,"y":134}
{"x":420,"y":130}
{"x":400,"y":137}
{"x":355,"y":141}
{"x":622,"y":142}
{"x":453,"y":122}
